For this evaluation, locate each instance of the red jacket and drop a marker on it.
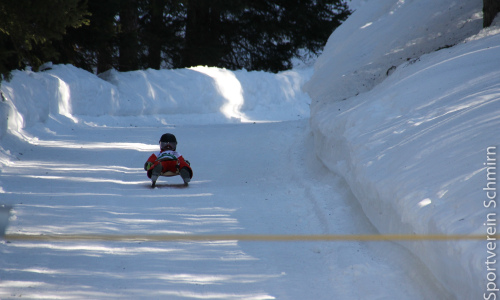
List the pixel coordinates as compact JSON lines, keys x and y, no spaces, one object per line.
{"x":172,"y":162}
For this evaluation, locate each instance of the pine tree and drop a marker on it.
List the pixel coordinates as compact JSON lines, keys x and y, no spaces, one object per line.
{"x":29,"y":28}
{"x":275,"y":31}
{"x":153,"y":25}
{"x":162,"y":29}
{"x":101,"y":36}
{"x":133,"y":34}
{"x":258,"y":34}
{"x":203,"y":32}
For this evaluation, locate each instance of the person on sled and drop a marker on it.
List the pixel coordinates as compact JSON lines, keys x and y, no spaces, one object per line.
{"x":168,"y":162}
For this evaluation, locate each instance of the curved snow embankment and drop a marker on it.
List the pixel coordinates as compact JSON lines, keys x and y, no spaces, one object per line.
{"x":413,"y":151}
{"x":383,"y":34}
{"x":197,"y":95}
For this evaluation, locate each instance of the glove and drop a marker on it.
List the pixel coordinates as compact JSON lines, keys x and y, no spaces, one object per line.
{"x":148,"y":165}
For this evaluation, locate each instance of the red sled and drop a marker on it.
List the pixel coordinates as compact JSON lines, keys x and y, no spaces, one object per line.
{"x":168,"y":163}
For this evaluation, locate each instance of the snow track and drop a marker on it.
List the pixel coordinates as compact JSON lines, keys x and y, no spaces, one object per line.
{"x":248,"y":179}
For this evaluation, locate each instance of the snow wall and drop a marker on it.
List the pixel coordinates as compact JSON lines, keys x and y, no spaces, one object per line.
{"x":193,"y":96}
{"x":408,"y":121}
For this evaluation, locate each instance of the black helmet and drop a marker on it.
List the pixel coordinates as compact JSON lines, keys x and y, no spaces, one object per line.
{"x":168,"y":142}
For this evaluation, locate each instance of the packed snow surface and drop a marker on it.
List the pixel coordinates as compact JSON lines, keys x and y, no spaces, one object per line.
{"x":70,"y":167}
{"x":401,"y":110}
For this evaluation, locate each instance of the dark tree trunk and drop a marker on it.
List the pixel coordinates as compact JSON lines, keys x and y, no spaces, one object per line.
{"x":202,"y":45}
{"x":129,"y":45}
{"x":104,"y":58}
{"x":155,"y":42}
{"x":490,"y":9}
{"x":101,"y":35}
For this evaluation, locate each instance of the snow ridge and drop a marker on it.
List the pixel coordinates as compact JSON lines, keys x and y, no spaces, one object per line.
{"x":192,"y":96}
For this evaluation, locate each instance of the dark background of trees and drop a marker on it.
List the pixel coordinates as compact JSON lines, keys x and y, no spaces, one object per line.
{"x":98,"y":35}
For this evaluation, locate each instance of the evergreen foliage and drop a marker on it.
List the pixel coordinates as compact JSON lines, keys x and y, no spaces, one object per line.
{"x":29,"y":29}
{"x":138,"y":34}
{"x":258,"y":34}
{"x":98,"y":35}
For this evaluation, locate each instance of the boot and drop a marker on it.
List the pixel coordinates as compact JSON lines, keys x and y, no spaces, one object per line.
{"x":155,"y":174}
{"x":185,"y":175}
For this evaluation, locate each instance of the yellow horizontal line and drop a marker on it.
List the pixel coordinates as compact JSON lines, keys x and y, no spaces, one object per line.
{"x":248,"y":237}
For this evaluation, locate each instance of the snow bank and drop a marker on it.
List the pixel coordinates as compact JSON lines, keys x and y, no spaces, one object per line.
{"x":412,"y":147}
{"x":197,"y":95}
{"x":381,"y":35}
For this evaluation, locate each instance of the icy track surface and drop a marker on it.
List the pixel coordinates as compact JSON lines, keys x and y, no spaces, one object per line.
{"x":248,"y":179}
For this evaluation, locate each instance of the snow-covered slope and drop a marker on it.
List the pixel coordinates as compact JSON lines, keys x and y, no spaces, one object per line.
{"x":411,"y":140}
{"x":383,"y":34}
